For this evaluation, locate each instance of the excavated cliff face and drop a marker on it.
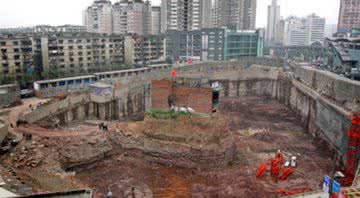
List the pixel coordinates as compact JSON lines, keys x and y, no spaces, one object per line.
{"x":189,"y":142}
{"x":186,"y":142}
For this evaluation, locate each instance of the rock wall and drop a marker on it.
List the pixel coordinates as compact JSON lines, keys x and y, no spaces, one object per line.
{"x":317,"y":96}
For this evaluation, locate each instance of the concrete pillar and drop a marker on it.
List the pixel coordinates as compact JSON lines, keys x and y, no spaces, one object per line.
{"x":274,"y":89}
{"x":69,"y":116}
{"x":121,"y":108}
{"x":91,"y":109}
{"x":147,"y":96}
{"x":242,"y":89}
{"x":102,"y":112}
{"x":232,"y":88}
{"x":81,"y":112}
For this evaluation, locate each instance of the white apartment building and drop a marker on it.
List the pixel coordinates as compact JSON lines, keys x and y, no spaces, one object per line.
{"x":316,"y":29}
{"x":98,"y":17}
{"x":139,"y":18}
{"x":125,"y":16}
{"x":185,"y":15}
{"x":155,"y":20}
{"x":304,"y":31}
{"x":273,"y":20}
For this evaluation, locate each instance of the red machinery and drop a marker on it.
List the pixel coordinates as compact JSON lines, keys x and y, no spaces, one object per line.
{"x":276,"y":166}
{"x":275,"y":169}
{"x":353,"y":148}
{"x":286,"y":172}
{"x":293,"y":191}
{"x":260,"y":172}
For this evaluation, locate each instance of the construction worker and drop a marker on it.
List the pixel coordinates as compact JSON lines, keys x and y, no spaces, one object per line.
{"x":109,"y":194}
{"x":101,"y":126}
{"x":105,"y":127}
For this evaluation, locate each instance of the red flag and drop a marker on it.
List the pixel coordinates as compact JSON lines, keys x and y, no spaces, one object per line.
{"x":173,"y":73}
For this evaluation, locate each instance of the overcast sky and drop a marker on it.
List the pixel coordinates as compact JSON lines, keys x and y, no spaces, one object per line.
{"x":14,"y":13}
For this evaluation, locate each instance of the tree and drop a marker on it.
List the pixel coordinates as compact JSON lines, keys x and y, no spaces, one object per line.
{"x":6,"y":79}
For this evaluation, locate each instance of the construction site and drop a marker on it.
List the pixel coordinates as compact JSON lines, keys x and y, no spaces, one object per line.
{"x":219,"y":129}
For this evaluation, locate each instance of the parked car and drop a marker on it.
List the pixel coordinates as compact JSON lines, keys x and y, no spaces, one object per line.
{"x":27,"y":93}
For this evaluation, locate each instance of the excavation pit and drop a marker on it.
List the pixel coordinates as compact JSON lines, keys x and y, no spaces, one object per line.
{"x":188,"y":156}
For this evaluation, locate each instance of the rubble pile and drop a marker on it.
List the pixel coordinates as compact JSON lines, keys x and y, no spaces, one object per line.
{"x":27,"y":155}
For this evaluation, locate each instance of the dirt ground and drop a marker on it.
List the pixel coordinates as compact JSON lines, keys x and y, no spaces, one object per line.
{"x":260,"y":126}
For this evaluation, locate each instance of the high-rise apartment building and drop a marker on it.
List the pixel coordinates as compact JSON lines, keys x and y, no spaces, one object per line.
{"x":155,"y":20}
{"x":207,"y":14}
{"x":304,"y":31}
{"x":273,"y":20}
{"x":280,"y":32}
{"x":184,"y":15}
{"x":125,"y":16}
{"x":349,"y":15}
{"x":235,"y":14}
{"x":315,"y":26}
{"x":98,"y":17}
{"x":131,"y":17}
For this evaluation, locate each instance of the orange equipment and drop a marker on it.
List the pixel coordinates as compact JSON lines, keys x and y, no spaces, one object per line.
{"x":293,"y":192}
{"x":286,"y":172}
{"x":275,"y":168}
{"x":275,"y":165}
{"x":260,"y":172}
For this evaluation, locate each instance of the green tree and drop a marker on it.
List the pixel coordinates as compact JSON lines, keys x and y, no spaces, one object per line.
{"x":4,"y":79}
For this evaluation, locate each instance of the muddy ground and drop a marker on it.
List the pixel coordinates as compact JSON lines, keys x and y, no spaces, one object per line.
{"x":260,"y":127}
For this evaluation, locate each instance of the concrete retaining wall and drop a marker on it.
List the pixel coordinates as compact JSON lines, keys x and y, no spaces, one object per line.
{"x":323,"y":100}
{"x":341,"y":90}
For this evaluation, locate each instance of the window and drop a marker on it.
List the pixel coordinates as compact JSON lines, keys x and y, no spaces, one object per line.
{"x":15,"y":43}
{"x":62,"y":83}
{"x":2,"y":43}
{"x":70,"y":82}
{"x":53,"y":84}
{"x":78,"y":81}
{"x":43,"y":86}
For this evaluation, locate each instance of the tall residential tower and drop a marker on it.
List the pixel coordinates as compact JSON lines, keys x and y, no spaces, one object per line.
{"x":235,"y":14}
{"x":349,"y":16}
{"x":125,"y":16}
{"x":273,"y":21}
{"x":185,"y":15}
{"x":98,"y":17}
